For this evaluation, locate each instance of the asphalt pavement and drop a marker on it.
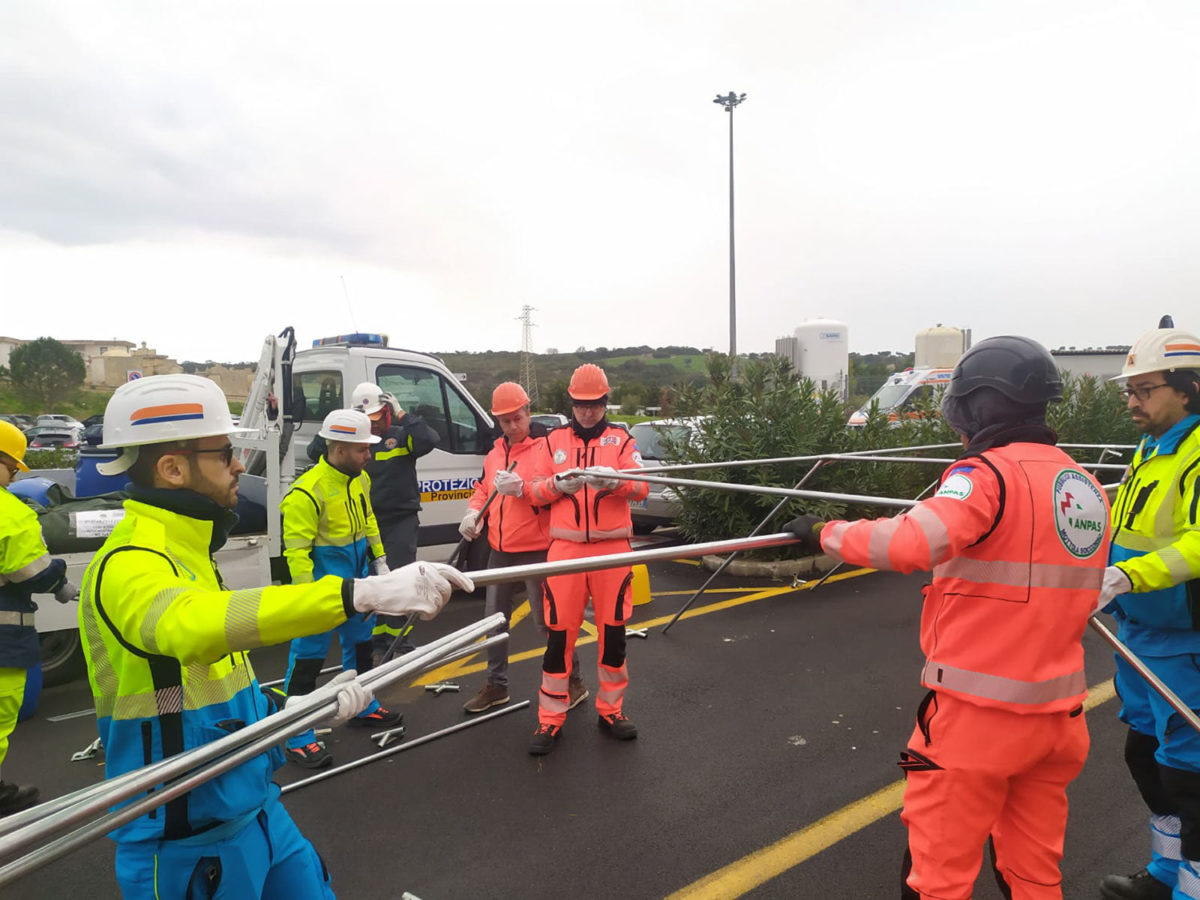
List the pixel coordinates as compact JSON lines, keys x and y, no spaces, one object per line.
{"x":768,"y":718}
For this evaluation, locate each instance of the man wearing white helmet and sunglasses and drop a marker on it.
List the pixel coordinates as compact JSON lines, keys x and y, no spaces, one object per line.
{"x":166,"y":645}
{"x":1154,"y":583}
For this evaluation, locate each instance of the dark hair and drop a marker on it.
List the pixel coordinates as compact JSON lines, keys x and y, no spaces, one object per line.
{"x":141,"y":472}
{"x":1187,"y":382}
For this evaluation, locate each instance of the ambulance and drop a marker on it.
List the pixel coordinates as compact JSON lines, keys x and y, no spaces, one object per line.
{"x":901,"y":393}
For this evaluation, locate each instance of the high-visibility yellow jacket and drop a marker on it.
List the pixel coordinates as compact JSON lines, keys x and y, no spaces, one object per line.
{"x":1156,"y":542}
{"x":329,"y":527}
{"x":166,"y":643}
{"x":25,"y":569}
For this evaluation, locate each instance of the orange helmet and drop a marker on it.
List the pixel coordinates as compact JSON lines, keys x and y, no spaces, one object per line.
{"x":588,"y":382}
{"x":507,"y":398}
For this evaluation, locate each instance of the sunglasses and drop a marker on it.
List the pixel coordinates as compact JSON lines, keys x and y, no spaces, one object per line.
{"x":226,"y":453}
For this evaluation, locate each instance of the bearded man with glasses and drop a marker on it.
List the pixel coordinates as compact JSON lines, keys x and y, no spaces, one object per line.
{"x":1153,"y":585}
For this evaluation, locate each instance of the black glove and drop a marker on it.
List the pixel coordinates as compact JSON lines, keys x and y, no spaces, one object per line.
{"x":808,"y":529}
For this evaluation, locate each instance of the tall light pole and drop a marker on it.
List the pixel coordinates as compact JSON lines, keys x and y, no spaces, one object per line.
{"x":728,"y":102}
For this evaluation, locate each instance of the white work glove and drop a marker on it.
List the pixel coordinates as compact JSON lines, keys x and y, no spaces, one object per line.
{"x":420,"y":588}
{"x":568,"y":484}
{"x":352,"y":697}
{"x":510,"y":484}
{"x":1115,"y":582}
{"x":598,"y":477}
{"x":68,"y":592}
{"x":469,"y":526}
{"x":380,"y":566}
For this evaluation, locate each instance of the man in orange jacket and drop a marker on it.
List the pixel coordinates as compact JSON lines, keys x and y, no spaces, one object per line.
{"x":518,"y":533}
{"x":1017,"y":540}
{"x":589,"y":516}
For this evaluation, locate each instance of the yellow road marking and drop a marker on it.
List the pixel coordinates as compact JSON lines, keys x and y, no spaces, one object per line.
{"x":744,"y":875}
{"x":465,"y":666}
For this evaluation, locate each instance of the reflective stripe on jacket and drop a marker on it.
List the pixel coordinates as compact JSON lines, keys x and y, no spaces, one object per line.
{"x":329,"y":527}
{"x":165,"y":645}
{"x":25,"y":569}
{"x":589,"y":514}
{"x":393,"y":466}
{"x":1156,"y":536}
{"x":1017,"y":542}
{"x":514,"y":525}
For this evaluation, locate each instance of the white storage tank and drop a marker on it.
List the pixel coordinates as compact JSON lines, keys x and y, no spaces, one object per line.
{"x":823,"y":354}
{"x":940,"y":347}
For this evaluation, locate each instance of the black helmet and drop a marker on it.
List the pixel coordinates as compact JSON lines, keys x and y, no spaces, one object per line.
{"x":1018,"y":367}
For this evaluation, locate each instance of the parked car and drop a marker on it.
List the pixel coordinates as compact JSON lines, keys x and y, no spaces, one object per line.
{"x":42,"y":437}
{"x":94,"y":419}
{"x":550,"y":420}
{"x":655,"y":440}
{"x":21,"y":421}
{"x":58,"y":420}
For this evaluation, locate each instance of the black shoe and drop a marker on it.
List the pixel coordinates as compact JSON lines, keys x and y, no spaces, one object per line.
{"x":543,"y":739}
{"x":618,"y":726}
{"x":1138,"y":886}
{"x":16,"y":797}
{"x":310,"y":756}
{"x":384,"y":718}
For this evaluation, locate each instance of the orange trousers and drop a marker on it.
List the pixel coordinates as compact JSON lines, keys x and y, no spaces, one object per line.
{"x":975,"y":771}
{"x":565,"y":598}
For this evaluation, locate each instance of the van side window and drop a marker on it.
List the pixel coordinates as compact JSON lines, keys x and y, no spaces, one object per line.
{"x":317,"y":393}
{"x":430,"y":396}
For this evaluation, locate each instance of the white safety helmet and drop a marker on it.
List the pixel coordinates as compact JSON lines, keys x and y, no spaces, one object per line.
{"x":369,"y":398}
{"x":349,"y":425}
{"x":162,"y":408}
{"x":1162,"y":350}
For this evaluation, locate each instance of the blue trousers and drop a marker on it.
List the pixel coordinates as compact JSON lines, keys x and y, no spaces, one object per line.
{"x":354,"y":631}
{"x":267,"y":857}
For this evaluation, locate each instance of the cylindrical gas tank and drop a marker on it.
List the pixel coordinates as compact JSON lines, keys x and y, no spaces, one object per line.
{"x":939,"y":347}
{"x":823,"y":354}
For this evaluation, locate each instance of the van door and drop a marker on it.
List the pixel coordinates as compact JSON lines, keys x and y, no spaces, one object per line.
{"x":446,"y":475}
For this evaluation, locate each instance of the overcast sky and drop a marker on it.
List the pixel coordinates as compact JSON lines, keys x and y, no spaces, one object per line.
{"x":196,"y":175}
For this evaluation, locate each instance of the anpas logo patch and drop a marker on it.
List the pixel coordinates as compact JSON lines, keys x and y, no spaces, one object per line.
{"x":560,"y":457}
{"x":957,"y":487}
{"x":1079,"y":514}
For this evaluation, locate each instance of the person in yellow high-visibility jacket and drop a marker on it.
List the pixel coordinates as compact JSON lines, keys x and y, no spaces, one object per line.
{"x":25,"y":569}
{"x":166,"y":646}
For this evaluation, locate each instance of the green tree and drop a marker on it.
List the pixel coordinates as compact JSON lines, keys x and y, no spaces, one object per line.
{"x":45,"y":372}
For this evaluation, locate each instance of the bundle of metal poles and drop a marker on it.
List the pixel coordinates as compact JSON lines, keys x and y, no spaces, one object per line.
{"x":176,"y":775}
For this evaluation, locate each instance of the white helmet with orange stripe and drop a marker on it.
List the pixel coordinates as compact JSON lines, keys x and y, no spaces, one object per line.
{"x":163,"y":408}
{"x":1162,"y":350}
{"x":349,"y":425}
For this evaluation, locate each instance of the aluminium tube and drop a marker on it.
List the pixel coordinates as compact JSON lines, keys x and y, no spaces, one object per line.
{"x":400,"y":748}
{"x":485,"y":577}
{"x":728,"y":559}
{"x":83,"y":804}
{"x":778,"y":460}
{"x":319,"y":712}
{"x":1142,"y":669}
{"x":749,"y":488}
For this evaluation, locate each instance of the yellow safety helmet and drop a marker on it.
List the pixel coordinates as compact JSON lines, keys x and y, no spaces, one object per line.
{"x":13,"y":443}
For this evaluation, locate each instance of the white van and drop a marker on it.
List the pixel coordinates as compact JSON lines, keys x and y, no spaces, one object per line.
{"x":323,"y":379}
{"x":901,"y":392}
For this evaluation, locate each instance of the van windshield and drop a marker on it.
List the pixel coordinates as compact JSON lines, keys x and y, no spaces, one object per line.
{"x":889,"y":396}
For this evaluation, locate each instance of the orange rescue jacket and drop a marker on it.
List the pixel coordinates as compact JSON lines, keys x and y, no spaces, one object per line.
{"x":589,"y":514}
{"x":513,"y":525}
{"x":1017,"y":540}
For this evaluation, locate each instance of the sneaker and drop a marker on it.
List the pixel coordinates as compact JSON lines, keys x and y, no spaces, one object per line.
{"x":543,"y":739}
{"x":1139,"y":886}
{"x":16,"y":797}
{"x":381,"y":717}
{"x":618,"y":726}
{"x":310,"y":756}
{"x":577,"y":692}
{"x":488,"y":696}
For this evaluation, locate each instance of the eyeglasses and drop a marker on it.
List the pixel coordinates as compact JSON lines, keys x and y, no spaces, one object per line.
{"x":226,"y":453}
{"x":1142,"y":393}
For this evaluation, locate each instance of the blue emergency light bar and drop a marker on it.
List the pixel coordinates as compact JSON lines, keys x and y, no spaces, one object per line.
{"x":358,"y":339}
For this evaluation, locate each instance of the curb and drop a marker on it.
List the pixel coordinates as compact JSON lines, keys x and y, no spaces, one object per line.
{"x":779,"y":568}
